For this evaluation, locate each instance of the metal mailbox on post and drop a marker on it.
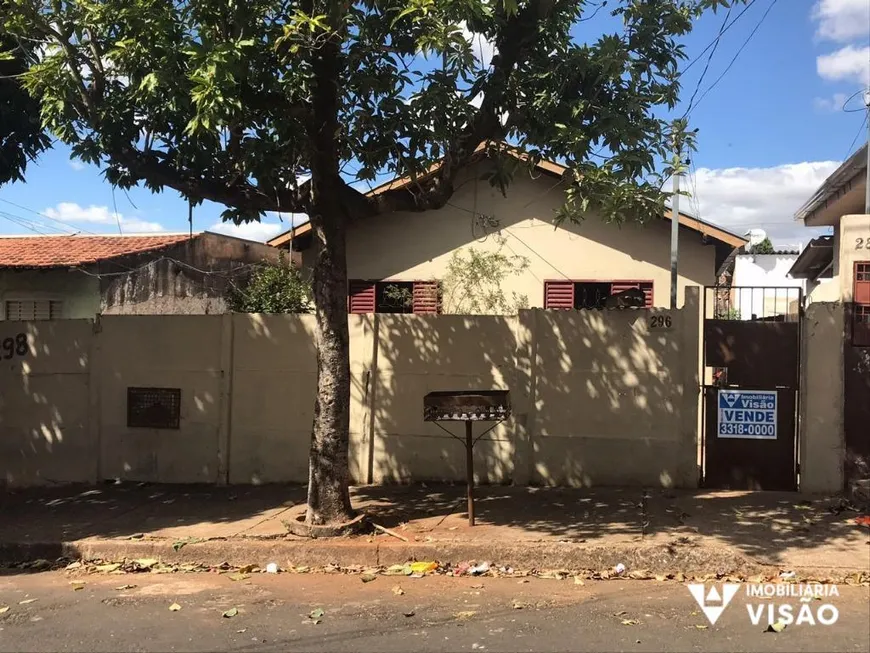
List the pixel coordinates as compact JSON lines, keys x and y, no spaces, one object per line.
{"x":467,"y":406}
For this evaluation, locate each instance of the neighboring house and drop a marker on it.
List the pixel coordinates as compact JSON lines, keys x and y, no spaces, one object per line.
{"x":569,"y":265}
{"x":56,"y":277}
{"x":763,"y":287}
{"x":842,"y":193}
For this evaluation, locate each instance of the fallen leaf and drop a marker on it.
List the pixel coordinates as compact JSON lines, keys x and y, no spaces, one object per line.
{"x":238,"y":576}
{"x":778,"y":627}
{"x":74,"y":565}
{"x":248,"y":569}
{"x":77,"y":585}
{"x":409,"y":613}
{"x":578,"y":580}
{"x":26,"y":601}
{"x":5,"y":608}
{"x":302,"y":570}
{"x":523,"y":580}
{"x":107,"y":569}
{"x":395,"y":570}
{"x":518,"y":605}
{"x":630,"y":622}
{"x":680,"y":577}
{"x":145,"y":563}
{"x":465,"y":614}
{"x":241,"y":630}
{"x":229,"y":614}
{"x":368,"y":578}
{"x":620,"y":613}
{"x":316,"y":613}
{"x":398,"y":591}
{"x":661,"y":577}
{"x":125,"y":587}
{"x":174,"y":607}
{"x":701,"y":626}
{"x":423,"y":567}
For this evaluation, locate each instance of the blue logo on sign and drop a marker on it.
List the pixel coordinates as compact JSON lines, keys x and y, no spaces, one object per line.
{"x":747,"y":414}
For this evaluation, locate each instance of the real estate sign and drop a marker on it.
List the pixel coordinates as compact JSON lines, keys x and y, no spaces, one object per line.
{"x":748,"y":414}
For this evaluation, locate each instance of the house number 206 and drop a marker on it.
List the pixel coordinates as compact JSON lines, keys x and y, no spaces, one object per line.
{"x":16,"y":346}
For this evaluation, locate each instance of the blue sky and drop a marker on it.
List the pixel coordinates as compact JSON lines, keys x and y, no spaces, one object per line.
{"x":770,"y":132}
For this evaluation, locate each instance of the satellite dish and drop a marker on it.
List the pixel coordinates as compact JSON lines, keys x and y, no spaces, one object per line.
{"x":755,"y":236}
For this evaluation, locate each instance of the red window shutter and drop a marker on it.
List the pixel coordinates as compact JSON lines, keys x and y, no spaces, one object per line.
{"x":861,"y":289}
{"x":559,"y":294}
{"x":361,"y":296}
{"x":425,"y":298}
{"x":645,"y":286}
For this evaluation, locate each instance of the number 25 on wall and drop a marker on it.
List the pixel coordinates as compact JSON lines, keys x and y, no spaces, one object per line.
{"x":16,"y":346}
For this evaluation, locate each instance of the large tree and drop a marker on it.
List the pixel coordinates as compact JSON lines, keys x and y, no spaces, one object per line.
{"x":280,"y":105}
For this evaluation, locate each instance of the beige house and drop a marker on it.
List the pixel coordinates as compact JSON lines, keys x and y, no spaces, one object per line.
{"x":565,"y":266}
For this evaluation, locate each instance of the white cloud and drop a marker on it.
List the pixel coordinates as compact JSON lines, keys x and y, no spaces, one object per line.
{"x":260,"y":231}
{"x":834,"y":103}
{"x":850,"y":63}
{"x":71,"y":212}
{"x":842,"y":20}
{"x":76,"y":165}
{"x":739,"y":199}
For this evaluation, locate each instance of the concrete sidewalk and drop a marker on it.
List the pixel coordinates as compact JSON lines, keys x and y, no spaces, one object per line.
{"x":689,"y":532}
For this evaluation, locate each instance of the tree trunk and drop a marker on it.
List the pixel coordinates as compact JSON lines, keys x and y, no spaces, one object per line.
{"x":328,"y":471}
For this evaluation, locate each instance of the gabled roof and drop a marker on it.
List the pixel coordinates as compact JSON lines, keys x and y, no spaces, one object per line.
{"x":70,"y":251}
{"x":547,"y":167}
{"x":815,"y":261}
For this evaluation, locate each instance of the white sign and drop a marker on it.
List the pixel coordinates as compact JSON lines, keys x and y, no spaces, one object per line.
{"x":748,"y":414}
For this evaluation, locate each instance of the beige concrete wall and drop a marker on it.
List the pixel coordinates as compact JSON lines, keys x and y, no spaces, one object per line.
{"x":418,"y":246}
{"x":591,"y":390}
{"x":420,"y":354}
{"x":79,"y":292}
{"x":821,"y":426}
{"x":46,"y":433}
{"x":616,"y":397}
{"x":172,"y":351}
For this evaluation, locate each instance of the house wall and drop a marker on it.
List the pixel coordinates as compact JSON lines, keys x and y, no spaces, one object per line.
{"x":587,"y":387}
{"x":79,"y":292}
{"x":418,"y":246}
{"x":191,"y":278}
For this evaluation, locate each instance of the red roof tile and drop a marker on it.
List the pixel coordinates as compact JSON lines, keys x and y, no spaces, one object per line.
{"x":68,"y":251}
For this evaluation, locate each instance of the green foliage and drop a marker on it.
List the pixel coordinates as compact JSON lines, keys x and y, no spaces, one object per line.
{"x":398,"y":296}
{"x":273,"y":288}
{"x":473,"y":281}
{"x":220,"y":100}
{"x":21,"y":135}
{"x":764,"y":247}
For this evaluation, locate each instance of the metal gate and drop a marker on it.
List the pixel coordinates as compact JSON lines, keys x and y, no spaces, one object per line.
{"x":750,"y":381}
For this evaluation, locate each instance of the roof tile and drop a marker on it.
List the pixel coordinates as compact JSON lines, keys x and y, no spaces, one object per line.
{"x":69,"y":251}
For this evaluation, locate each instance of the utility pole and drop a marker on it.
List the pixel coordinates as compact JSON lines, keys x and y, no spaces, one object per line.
{"x":867,"y":192}
{"x":675,"y":219}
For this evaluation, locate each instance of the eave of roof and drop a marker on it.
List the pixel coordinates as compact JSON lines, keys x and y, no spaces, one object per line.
{"x":547,"y":167}
{"x":814,"y":260}
{"x":852,"y":172}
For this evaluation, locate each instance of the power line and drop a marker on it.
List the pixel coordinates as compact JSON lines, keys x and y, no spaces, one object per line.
{"x":66,"y":224}
{"x":21,"y":223}
{"x":737,"y":54}
{"x":855,"y":140}
{"x":716,"y":42}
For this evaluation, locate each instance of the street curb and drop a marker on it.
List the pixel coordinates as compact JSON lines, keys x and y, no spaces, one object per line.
{"x":657,"y":559}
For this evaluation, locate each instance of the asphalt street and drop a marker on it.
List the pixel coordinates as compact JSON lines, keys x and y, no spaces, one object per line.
{"x":60,"y":611}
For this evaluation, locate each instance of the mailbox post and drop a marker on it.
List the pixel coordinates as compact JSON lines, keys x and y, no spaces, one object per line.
{"x":467,"y":406}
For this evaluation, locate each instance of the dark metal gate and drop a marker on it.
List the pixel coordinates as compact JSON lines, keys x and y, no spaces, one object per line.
{"x":750,"y":381}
